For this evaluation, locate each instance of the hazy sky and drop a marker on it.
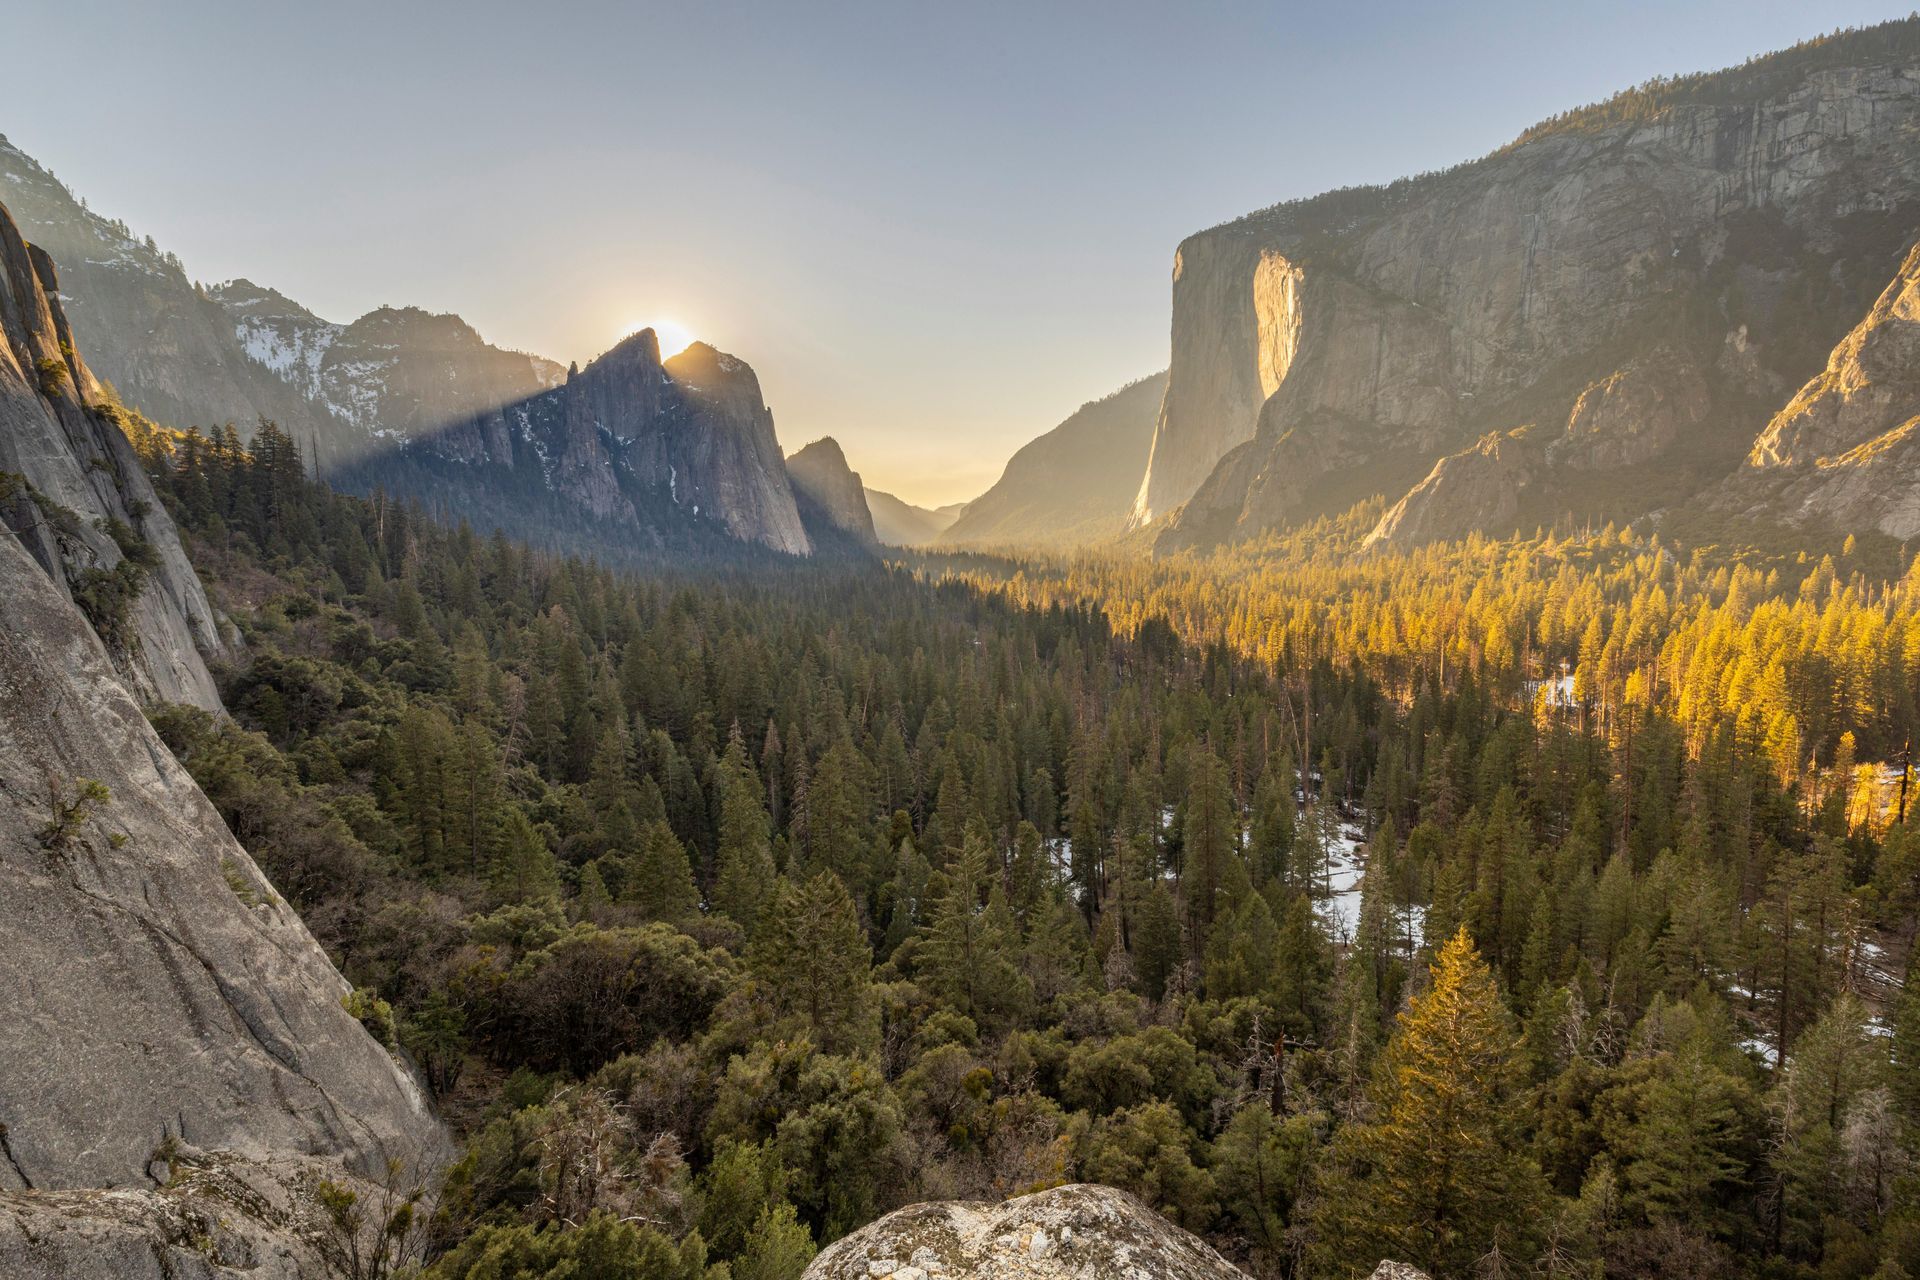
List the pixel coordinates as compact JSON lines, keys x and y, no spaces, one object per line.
{"x":934,"y":229}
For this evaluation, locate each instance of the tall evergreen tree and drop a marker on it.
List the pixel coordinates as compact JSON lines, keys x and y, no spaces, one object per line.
{"x":811,"y":956}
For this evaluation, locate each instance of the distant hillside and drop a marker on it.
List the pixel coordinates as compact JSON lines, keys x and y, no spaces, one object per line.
{"x":1076,"y":483}
{"x":899,"y":523}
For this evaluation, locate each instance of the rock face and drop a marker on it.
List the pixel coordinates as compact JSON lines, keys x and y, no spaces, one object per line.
{"x":1845,"y":452}
{"x":638,"y":458}
{"x":898,"y":523}
{"x":830,"y":493}
{"x":397,"y":375}
{"x":629,"y":453}
{"x":1074,"y":485}
{"x":1655,"y":277}
{"x":79,"y":501}
{"x":421,"y":404}
{"x":1871,"y":384}
{"x":1081,"y":1232}
{"x":152,"y":984}
{"x":1632,"y":416}
{"x":216,"y":1218}
{"x":1477,"y":488}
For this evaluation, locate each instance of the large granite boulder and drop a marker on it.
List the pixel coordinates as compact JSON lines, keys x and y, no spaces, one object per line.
{"x":1081,"y":1232}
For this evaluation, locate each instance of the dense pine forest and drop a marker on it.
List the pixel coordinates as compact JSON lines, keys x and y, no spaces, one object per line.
{"x":1537,"y":907}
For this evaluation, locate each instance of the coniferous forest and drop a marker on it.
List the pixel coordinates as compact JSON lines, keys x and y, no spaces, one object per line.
{"x":1537,"y":906}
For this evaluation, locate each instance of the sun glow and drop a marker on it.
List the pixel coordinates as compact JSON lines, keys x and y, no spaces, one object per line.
{"x":674,"y":337}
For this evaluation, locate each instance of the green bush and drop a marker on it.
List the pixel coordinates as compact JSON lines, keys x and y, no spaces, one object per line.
{"x":71,"y":814}
{"x":375,"y":1014}
{"x":53,"y":375}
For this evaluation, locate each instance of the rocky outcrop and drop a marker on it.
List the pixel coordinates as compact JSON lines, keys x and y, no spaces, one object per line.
{"x":214,"y":1216}
{"x":678,"y":454}
{"x":1646,"y":274}
{"x":722,"y":448}
{"x":1081,"y":1232}
{"x":153,"y":985}
{"x":829,"y":492}
{"x":73,"y":492}
{"x":1871,"y":384}
{"x":624,"y":455}
{"x":1074,"y":485}
{"x":1845,"y":452}
{"x":1478,"y":488}
{"x":1236,"y":327}
{"x":899,"y":523}
{"x":1633,"y":415}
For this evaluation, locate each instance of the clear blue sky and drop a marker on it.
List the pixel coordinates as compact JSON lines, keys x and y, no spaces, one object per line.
{"x":934,"y":229}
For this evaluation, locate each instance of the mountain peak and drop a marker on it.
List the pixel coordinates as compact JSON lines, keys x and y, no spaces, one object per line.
{"x":242,"y":296}
{"x":705,"y":364}
{"x":826,"y":450}
{"x":830,"y":493}
{"x":643,"y":345}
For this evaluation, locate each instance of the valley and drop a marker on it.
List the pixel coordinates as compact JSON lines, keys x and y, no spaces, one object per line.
{"x":1419,"y":787}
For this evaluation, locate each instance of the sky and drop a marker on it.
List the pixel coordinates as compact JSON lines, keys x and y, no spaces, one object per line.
{"x":934,"y":229}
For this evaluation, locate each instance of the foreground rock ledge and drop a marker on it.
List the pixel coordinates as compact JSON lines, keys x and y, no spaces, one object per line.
{"x":1080,"y":1232}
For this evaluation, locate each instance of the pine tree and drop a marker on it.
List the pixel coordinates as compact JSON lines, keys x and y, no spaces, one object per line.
{"x":523,"y":869}
{"x":1210,"y":841}
{"x":970,"y":952}
{"x":1240,"y":955}
{"x":1683,"y":1163}
{"x":661,"y":882}
{"x":838,"y":816}
{"x":743,"y":858}
{"x":1444,"y":1178}
{"x":812,"y":957}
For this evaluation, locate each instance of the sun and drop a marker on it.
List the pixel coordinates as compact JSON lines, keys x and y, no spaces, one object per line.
{"x":674,"y":336}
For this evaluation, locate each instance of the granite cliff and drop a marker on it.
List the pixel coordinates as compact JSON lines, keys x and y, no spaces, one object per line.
{"x":1845,"y":451}
{"x":1642,"y":283}
{"x":832,"y":499}
{"x":159,"y":996}
{"x":73,"y":494}
{"x":204,"y":1011}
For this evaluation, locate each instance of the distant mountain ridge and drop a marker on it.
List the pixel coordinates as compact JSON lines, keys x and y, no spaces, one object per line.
{"x":899,"y":523}
{"x":631,"y":456}
{"x":165,"y":344}
{"x":396,"y":373}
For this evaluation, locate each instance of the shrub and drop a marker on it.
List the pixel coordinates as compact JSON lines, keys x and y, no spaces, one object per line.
{"x":70,"y":815}
{"x":375,"y":1014}
{"x":53,"y":375}
{"x":107,"y":596}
